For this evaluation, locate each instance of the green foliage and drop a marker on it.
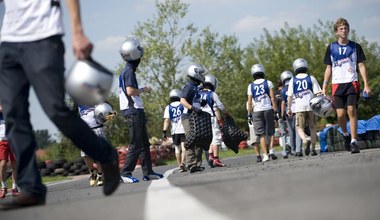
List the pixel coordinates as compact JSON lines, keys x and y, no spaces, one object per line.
{"x":65,"y":149}
{"x":164,"y":39}
{"x":43,"y":138}
{"x":170,"y":45}
{"x":223,"y":57}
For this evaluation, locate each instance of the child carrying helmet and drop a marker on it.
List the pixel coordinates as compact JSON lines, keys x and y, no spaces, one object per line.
{"x":261,"y":109}
{"x":172,"y":116}
{"x":211,"y":104}
{"x":302,"y":89}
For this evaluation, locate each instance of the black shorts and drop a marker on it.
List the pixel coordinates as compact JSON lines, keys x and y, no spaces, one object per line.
{"x":178,"y":139}
{"x":344,"y":101}
{"x":346,"y":94}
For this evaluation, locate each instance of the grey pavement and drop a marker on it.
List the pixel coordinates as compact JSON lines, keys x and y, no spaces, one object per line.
{"x":328,"y":186}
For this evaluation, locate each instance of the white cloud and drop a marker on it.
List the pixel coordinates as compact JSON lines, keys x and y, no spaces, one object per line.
{"x":249,"y":23}
{"x":110,"y":43}
{"x":257,"y":23}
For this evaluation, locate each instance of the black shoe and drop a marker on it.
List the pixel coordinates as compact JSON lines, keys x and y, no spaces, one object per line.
{"x":111,"y":174}
{"x":307,"y":149}
{"x":258,"y":159}
{"x":298,"y":154}
{"x":285,"y":157}
{"x":210,"y":161}
{"x":354,"y":148}
{"x":288,"y":150}
{"x":273,"y":156}
{"x":347,"y":142}
{"x":192,"y":169}
{"x":199,"y":168}
{"x":314,"y":153}
{"x":23,"y":200}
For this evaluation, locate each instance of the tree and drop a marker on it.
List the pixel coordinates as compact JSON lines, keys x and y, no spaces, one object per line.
{"x":223,"y":57}
{"x":164,"y":39}
{"x":43,"y":138}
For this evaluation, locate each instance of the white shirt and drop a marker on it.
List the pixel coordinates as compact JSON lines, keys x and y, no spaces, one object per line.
{"x":264,"y":102}
{"x":176,"y":123}
{"x":301,"y":101}
{"x":2,"y":128}
{"x":30,"y":20}
{"x":217,"y":104}
{"x":87,"y":114}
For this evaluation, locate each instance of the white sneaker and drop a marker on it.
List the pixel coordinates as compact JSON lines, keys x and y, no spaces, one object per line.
{"x":271,"y":151}
{"x":265,"y":158}
{"x":129,"y":179}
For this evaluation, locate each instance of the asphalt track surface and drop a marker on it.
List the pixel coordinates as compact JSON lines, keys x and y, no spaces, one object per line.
{"x":331,"y":186}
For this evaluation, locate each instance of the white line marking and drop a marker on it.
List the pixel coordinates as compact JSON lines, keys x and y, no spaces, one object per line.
{"x":167,"y":202}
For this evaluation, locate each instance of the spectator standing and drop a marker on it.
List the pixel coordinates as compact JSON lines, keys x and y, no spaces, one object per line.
{"x":132,"y":107}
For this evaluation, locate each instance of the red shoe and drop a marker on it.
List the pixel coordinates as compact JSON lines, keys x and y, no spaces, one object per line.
{"x":3,"y":192}
{"x":218,"y":163}
{"x":15,"y":192}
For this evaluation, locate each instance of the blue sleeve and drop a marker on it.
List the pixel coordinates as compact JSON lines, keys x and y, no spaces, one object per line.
{"x":188,"y":94}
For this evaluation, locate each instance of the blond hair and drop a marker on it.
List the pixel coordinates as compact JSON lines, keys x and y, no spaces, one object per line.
{"x":341,"y":22}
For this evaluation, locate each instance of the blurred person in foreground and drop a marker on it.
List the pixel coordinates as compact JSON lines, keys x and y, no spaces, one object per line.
{"x":32,"y":55}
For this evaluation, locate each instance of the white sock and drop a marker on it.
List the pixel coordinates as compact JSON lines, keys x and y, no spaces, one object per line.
{"x":271,"y":151}
{"x":3,"y":185}
{"x":353,"y":141}
{"x":346,"y":133}
{"x":14,"y":185}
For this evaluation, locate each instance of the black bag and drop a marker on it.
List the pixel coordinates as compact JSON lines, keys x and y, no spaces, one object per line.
{"x":232,"y":135}
{"x":200,"y":134}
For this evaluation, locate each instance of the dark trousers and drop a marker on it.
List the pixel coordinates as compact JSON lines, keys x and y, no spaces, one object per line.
{"x":139,"y":145}
{"x":40,"y":65}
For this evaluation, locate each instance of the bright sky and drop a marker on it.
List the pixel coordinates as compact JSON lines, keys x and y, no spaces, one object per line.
{"x":107,"y":23}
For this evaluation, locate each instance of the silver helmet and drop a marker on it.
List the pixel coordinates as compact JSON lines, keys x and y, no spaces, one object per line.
{"x":286,"y":76}
{"x":322,"y":106}
{"x":300,"y":65}
{"x":257,"y":69}
{"x":196,"y":71}
{"x":131,"y":49}
{"x":211,"y":79}
{"x":175,"y":93}
{"x":104,"y":112}
{"x":88,"y":82}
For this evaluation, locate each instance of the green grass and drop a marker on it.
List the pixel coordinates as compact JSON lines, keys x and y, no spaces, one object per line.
{"x":45,"y":179}
{"x":222,"y":154}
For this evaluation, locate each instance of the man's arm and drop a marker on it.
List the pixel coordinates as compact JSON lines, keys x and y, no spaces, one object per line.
{"x":326,"y":79}
{"x":273,"y":99}
{"x":131,"y":91}
{"x":185,"y":103}
{"x":82,"y":47}
{"x":363,"y":73}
